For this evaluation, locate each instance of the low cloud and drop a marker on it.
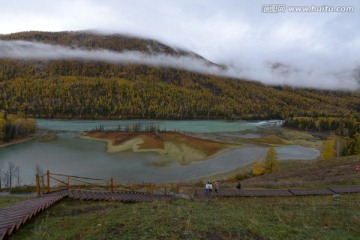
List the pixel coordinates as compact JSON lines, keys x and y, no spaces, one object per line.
{"x":39,"y":51}
{"x":302,"y":49}
{"x":299,"y":71}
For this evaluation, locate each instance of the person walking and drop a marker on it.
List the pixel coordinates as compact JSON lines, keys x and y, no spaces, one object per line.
{"x":216,"y":186}
{"x":238,"y":186}
{"x":210,"y":187}
{"x":207,"y":188}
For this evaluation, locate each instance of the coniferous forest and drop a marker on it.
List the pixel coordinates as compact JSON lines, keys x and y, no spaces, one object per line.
{"x":98,"y":90}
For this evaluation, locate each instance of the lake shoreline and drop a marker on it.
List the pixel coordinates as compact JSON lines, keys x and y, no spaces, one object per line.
{"x":38,"y":133}
{"x":191,"y":150}
{"x":16,"y":141}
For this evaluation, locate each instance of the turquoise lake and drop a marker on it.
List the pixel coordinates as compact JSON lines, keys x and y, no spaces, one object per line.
{"x":68,"y":154}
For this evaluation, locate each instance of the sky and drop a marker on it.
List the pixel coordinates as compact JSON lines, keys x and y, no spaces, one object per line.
{"x":318,"y":49}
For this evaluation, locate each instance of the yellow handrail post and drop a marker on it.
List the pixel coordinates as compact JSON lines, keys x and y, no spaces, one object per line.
{"x":37,"y":184}
{"x":165,"y":191}
{"x":48,"y":181}
{"x":68,"y":181}
{"x":178,"y":189}
{"x":112,"y":185}
{"x":43,"y":184}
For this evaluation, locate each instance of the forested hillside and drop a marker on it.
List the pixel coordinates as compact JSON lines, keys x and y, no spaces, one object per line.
{"x":89,"y":89}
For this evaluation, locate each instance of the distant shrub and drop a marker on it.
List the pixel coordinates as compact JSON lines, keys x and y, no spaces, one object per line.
{"x":243,"y":176}
{"x":23,"y":189}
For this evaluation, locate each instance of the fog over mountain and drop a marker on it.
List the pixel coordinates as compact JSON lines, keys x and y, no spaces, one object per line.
{"x":268,"y":72}
{"x":304,"y":49}
{"x":24,"y":50}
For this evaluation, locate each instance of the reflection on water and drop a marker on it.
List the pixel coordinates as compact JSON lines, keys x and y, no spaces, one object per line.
{"x":196,"y":126}
{"x":68,"y":154}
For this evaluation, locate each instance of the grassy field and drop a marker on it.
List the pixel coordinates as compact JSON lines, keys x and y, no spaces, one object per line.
{"x":316,"y":173}
{"x":8,"y":201}
{"x":317,"y":217}
{"x":312,"y":173}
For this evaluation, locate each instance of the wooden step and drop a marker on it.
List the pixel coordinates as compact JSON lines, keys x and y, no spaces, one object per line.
{"x":13,"y":217}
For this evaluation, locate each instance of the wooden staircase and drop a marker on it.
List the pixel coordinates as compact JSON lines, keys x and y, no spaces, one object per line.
{"x":13,"y":217}
{"x":121,"y":196}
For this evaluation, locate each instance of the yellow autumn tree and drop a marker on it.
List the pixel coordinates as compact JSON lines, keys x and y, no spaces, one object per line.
{"x":271,"y":160}
{"x":328,"y":151}
{"x":2,"y":126}
{"x":258,"y":168}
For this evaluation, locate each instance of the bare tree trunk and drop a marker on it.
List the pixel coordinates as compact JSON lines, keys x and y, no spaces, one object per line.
{"x":17,"y":176}
{"x":11,"y":173}
{"x":6,"y":180}
{"x":39,"y":170}
{"x":1,"y":172}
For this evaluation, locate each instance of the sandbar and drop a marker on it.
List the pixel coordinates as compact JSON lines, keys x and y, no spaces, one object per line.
{"x":185,"y":149}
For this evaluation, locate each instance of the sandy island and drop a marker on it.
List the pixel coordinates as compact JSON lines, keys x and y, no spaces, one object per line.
{"x":185,"y":149}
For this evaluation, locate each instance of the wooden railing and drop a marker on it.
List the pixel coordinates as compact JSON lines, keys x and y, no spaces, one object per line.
{"x":52,"y":182}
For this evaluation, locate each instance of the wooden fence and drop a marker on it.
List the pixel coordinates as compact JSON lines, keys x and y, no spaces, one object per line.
{"x":52,"y":182}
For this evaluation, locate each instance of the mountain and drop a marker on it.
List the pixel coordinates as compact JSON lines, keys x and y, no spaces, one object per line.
{"x":90,"y":41}
{"x":81,"y":88}
{"x":117,"y":43}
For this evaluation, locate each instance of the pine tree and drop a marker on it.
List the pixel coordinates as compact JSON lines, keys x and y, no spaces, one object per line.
{"x":328,"y":151}
{"x":271,"y":160}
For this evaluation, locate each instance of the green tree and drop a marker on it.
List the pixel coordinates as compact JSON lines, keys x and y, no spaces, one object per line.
{"x":271,"y":160}
{"x":347,"y":146}
{"x":357,"y":144}
{"x":2,"y":126}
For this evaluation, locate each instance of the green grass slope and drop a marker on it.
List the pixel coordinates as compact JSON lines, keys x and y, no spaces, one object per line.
{"x":319,"y":217}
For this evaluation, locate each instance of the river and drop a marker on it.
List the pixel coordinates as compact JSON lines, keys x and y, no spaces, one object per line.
{"x":68,"y":154}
